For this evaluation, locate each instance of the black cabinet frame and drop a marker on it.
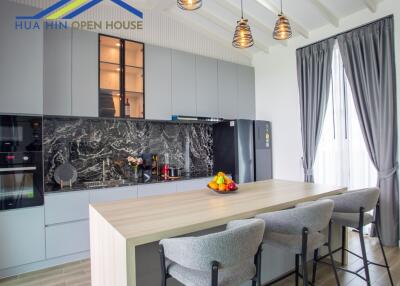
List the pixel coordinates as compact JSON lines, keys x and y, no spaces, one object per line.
{"x":122,"y":65}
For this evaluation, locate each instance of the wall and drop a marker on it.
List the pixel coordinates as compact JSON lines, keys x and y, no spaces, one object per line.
{"x":159,"y":29}
{"x":86,"y":142}
{"x":277,"y":97}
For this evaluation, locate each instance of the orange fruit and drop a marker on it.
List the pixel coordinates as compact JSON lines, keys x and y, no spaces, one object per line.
{"x":221,"y":174}
{"x":222,"y":187}
{"x":213,"y":185}
{"x":228,"y":181}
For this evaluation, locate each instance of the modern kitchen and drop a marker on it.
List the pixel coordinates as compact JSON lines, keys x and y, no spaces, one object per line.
{"x":122,"y":146}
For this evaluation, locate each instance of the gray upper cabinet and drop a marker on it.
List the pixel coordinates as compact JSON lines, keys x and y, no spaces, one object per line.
{"x":85,"y":92}
{"x":70,"y":73}
{"x":183,"y":83}
{"x":21,"y":62}
{"x":246,"y":107}
{"x":158,"y":83}
{"x":227,"y":90}
{"x":57,"y":72}
{"x":206,"y":87}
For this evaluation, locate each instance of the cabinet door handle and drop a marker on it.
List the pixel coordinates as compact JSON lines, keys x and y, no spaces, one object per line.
{"x":17,"y":169}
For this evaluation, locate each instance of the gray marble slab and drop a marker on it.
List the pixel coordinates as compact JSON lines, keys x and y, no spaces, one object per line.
{"x":86,"y":142}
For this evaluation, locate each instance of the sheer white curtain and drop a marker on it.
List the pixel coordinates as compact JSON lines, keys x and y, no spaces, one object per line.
{"x":342,"y":158}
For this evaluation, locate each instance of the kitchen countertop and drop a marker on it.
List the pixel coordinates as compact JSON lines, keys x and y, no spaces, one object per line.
{"x":116,"y":228}
{"x":54,"y":188}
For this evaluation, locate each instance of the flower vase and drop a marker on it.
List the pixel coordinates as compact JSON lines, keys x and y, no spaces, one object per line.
{"x":135,"y":172}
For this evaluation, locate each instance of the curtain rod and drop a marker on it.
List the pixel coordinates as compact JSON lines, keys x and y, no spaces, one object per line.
{"x":335,"y":36}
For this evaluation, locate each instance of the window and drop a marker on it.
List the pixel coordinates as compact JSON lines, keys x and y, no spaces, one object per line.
{"x":121,"y":90}
{"x":342,"y":157}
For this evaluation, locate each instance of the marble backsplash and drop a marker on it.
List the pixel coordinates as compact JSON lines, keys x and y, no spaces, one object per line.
{"x":87,"y":142}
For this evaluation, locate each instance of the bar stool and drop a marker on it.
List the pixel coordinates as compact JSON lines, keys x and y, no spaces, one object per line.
{"x":298,"y":231}
{"x":226,"y":258}
{"x":351,"y":211}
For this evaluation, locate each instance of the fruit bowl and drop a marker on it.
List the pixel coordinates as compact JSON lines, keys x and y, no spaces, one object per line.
{"x":222,"y":184}
{"x":223,"y":192}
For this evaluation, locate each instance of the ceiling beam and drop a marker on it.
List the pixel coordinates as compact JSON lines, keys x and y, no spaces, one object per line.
{"x":229,"y":28}
{"x":271,"y":6}
{"x":372,"y":5}
{"x":253,"y":20}
{"x":326,"y":13}
{"x":190,"y":21}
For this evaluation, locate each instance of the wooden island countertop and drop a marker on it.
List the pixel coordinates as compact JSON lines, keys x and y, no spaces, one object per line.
{"x":117,"y":228}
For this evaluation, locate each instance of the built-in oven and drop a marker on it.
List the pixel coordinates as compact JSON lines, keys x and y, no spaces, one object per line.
{"x":21,"y":161}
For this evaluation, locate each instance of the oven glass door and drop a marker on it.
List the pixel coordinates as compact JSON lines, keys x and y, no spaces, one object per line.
{"x":18,"y":187}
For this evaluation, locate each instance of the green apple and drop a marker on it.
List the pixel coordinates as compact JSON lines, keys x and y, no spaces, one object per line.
{"x":220,"y":180}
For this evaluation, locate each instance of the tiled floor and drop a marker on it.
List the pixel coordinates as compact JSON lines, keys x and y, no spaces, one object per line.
{"x":78,"y":273}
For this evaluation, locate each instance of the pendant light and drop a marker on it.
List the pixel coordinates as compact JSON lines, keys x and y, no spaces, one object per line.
{"x":189,"y":5}
{"x":282,"y":30}
{"x":242,"y":38}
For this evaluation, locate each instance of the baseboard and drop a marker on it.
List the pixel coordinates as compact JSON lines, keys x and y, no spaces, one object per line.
{"x":13,"y":271}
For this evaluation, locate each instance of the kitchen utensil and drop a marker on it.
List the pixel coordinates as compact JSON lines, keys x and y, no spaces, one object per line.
{"x":174,"y":172}
{"x":65,"y":174}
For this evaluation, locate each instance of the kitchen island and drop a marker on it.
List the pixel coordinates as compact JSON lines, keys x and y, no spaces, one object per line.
{"x":117,"y":229}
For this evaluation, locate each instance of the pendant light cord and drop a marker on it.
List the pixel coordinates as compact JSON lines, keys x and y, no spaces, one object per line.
{"x":241,"y":7}
{"x":281,"y":7}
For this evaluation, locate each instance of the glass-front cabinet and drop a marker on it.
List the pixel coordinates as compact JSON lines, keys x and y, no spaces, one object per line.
{"x":121,"y":78}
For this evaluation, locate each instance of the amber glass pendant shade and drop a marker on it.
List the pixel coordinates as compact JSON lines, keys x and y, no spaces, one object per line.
{"x":282,"y":30}
{"x":189,"y":5}
{"x":243,"y":38}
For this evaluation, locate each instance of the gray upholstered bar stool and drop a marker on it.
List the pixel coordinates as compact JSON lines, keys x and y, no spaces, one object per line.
{"x":298,"y":231}
{"x":226,"y":258}
{"x":351,"y":210}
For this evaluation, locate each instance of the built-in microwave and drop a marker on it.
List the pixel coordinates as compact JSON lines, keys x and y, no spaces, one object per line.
{"x":21,"y":161}
{"x":20,"y":133}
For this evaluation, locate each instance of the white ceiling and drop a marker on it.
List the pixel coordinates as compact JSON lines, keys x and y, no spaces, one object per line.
{"x":220,"y":16}
{"x":213,"y":25}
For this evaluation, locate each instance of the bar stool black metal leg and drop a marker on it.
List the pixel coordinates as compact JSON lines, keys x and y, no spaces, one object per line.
{"x":331,"y":255}
{"x":214,"y":273}
{"x":364,"y":253}
{"x":383,"y":253}
{"x":343,"y":244}
{"x":315,"y":261}
{"x":163,"y":269}
{"x":296,"y":274}
{"x":304,"y":257}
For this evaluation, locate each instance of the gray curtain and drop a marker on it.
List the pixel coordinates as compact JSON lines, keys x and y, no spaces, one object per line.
{"x":314,"y":74}
{"x":368,"y":58}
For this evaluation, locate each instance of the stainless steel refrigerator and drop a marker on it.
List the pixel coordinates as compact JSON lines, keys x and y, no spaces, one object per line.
{"x":243,"y":148}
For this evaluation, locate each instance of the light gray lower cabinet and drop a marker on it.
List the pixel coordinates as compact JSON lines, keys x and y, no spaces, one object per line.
{"x":158,"y":101}
{"x":183,"y":83}
{"x":192,"y":185}
{"x":227,"y":90}
{"x":57,"y":72}
{"x":207,"y":87}
{"x":246,"y":106}
{"x":156,"y":189}
{"x":67,"y":238}
{"x":85,"y":91}
{"x":66,"y":207}
{"x":22,"y":236}
{"x":113,"y":194}
{"x":21,"y":62}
